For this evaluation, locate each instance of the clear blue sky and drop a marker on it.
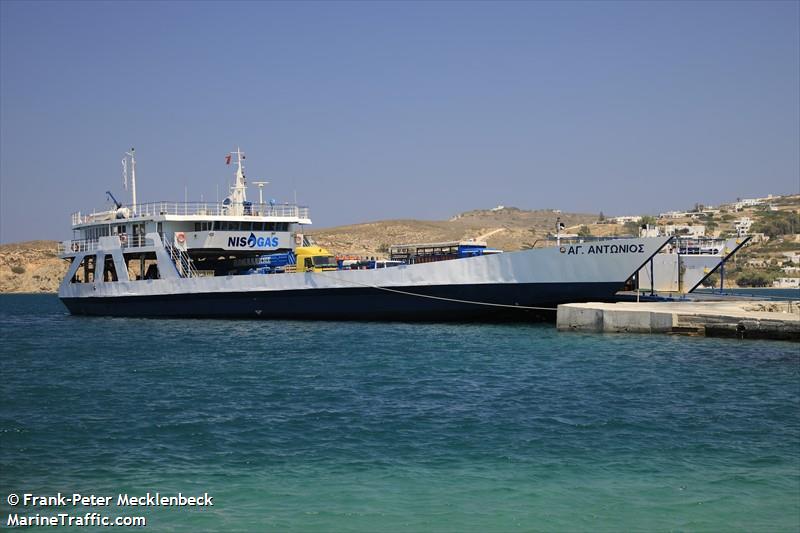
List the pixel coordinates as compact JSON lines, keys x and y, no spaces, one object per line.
{"x":393,"y":110}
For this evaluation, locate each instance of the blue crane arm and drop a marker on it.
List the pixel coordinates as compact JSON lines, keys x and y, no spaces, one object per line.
{"x":113,"y":199}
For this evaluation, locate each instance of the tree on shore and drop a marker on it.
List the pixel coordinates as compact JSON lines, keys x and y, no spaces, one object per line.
{"x":754,"y":278}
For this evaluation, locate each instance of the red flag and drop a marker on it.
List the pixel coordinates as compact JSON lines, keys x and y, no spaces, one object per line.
{"x":228,"y":159}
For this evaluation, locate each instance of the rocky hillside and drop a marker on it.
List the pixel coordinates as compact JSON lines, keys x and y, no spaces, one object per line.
{"x":30,"y":267}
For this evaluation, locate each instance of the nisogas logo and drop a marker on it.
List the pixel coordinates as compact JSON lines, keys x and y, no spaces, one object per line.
{"x":252,"y":242}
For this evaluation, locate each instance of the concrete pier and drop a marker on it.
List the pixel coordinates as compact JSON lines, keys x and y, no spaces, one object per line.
{"x":741,"y":319}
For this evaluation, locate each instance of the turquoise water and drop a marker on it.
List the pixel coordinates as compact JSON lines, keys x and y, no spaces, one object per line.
{"x":325,"y":426}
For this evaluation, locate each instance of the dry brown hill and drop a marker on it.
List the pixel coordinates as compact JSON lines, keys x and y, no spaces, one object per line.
{"x":30,"y":266}
{"x":508,"y":228}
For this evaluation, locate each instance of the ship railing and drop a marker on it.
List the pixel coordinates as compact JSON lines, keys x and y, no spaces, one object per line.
{"x":212,"y":209}
{"x":80,"y":245}
{"x":182,"y":260}
{"x":548,"y":242}
{"x":88,"y":218}
{"x":127,"y":240}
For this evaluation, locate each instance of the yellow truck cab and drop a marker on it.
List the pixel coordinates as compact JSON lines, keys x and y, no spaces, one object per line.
{"x":314,"y":259}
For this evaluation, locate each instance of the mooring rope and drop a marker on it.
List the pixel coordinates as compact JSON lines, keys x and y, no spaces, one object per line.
{"x":456,"y":300}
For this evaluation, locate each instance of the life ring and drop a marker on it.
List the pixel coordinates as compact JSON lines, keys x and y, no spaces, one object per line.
{"x":298,"y":239}
{"x":75,"y":247}
{"x":123,"y":239}
{"x":180,"y":237}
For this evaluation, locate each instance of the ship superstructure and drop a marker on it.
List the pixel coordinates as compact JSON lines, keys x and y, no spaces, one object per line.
{"x":199,"y":238}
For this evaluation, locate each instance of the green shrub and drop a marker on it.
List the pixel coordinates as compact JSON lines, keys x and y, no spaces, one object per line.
{"x":774,"y":223}
{"x":18,"y":269}
{"x":754,"y":278}
{"x":631,"y":228}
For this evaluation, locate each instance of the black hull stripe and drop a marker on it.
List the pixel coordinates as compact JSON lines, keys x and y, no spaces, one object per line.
{"x":351,"y":303}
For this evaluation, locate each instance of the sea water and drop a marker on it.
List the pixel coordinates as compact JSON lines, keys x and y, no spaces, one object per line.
{"x":336,"y":426}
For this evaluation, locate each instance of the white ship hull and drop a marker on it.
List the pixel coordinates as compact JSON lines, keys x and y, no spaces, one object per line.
{"x":509,"y":285}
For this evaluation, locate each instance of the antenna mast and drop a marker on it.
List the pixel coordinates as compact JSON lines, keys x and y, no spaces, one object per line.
{"x":260,"y":190}
{"x":132,"y":155}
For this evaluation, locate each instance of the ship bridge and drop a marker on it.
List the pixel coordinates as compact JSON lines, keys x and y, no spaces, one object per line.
{"x":233,"y":225}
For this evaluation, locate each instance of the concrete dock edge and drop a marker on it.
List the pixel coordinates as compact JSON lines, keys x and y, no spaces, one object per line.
{"x":753,"y":320}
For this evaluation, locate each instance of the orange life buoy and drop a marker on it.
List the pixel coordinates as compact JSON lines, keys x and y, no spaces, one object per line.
{"x":74,"y":246}
{"x":123,"y":239}
{"x":180,"y":237}
{"x":298,"y":239}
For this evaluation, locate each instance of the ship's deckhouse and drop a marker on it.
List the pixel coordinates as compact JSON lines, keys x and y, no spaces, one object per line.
{"x":198,"y":225}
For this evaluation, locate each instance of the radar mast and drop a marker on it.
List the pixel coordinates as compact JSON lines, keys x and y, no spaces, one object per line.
{"x":238,"y":196}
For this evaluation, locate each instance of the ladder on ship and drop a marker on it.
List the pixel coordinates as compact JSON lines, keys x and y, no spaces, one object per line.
{"x":182,"y":261}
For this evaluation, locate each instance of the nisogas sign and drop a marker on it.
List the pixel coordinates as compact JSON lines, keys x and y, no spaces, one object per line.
{"x":253,"y":241}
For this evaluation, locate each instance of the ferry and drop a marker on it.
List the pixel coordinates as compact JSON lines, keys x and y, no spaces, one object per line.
{"x":246,"y":259}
